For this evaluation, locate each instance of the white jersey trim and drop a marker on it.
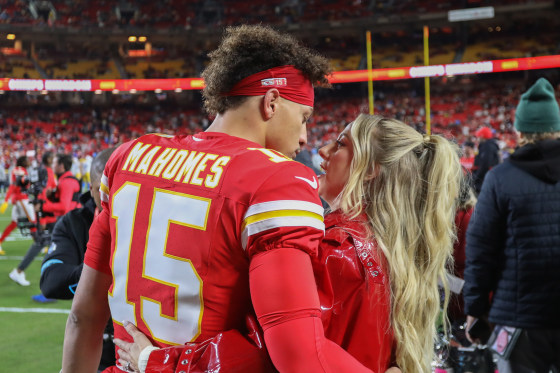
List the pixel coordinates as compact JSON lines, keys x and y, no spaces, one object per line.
{"x":259,"y":208}
{"x":278,"y":222}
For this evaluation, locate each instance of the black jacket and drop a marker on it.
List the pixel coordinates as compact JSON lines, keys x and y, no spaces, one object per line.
{"x":513,"y":241}
{"x":62,"y":266}
{"x":488,"y":156}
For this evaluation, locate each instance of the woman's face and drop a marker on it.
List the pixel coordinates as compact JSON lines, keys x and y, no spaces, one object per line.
{"x":337,"y":158}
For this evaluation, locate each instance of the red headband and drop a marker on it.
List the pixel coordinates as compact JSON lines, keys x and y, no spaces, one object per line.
{"x":289,"y":81}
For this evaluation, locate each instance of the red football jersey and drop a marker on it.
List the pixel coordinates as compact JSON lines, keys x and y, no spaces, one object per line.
{"x":184,"y":216}
{"x":14,"y":192}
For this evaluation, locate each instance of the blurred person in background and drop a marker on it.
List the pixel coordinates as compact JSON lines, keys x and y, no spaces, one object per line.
{"x":62,"y":266}
{"x":487,"y":157}
{"x":4,"y":179}
{"x":59,"y":201}
{"x":46,"y":172}
{"x":21,"y":206}
{"x":465,"y":208}
{"x":467,"y":157}
{"x":305,"y":157}
{"x":67,"y":194}
{"x":388,"y":239}
{"x":513,"y":242}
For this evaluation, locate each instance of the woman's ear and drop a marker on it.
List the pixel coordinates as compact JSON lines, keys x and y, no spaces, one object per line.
{"x":270,"y":103}
{"x":372,"y":174}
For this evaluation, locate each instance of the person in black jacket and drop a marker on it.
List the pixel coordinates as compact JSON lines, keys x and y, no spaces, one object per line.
{"x":488,"y":156}
{"x":513,"y":242}
{"x":62,"y":266}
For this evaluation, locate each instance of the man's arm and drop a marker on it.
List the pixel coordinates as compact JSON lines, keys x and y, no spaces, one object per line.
{"x":287,"y":305}
{"x":84,"y":329}
{"x":285,"y":298}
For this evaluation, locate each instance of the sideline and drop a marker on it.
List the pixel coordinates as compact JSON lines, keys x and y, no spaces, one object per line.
{"x":34,"y":310}
{"x":20,"y":258}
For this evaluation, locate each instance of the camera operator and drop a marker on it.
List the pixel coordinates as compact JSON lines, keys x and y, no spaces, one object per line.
{"x":22,"y":208}
{"x":43,"y":184}
{"x":63,"y":264}
{"x":67,"y":194}
{"x":46,"y":170}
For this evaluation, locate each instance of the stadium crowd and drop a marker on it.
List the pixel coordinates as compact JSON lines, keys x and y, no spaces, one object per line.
{"x":203,"y":13}
{"x":87,"y":129}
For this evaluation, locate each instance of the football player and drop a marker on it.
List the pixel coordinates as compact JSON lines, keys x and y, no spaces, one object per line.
{"x":22,"y":208}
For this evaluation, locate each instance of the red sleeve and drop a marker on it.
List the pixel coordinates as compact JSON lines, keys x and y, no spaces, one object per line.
{"x":285,"y":212}
{"x":98,"y":251}
{"x":285,"y":299}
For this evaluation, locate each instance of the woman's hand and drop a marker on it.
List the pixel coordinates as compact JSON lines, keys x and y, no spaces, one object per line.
{"x":129,"y":352}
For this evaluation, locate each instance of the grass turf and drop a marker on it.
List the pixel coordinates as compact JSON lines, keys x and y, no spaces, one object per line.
{"x":30,"y":341}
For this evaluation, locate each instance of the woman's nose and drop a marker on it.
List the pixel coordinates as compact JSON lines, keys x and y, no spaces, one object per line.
{"x":324,"y":151}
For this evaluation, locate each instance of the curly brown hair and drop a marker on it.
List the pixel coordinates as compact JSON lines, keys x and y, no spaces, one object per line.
{"x":249,"y":49}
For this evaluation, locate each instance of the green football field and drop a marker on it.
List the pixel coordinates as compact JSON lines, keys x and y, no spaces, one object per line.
{"x":31,"y":333}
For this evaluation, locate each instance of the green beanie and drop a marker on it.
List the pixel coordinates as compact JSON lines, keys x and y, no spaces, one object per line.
{"x":538,"y":110}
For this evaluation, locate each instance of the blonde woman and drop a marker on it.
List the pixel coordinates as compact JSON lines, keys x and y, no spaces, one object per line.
{"x":388,"y":238}
{"x":392,"y":192}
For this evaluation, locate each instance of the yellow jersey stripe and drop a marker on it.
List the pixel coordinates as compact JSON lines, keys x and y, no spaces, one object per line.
{"x":103,"y":188}
{"x":284,"y":205}
{"x":279,"y":213}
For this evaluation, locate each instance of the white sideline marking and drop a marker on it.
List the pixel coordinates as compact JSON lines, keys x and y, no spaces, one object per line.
{"x":33,"y":310}
{"x":2,"y":257}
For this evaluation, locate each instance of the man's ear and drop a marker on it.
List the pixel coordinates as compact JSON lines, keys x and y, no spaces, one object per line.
{"x":270,"y":103}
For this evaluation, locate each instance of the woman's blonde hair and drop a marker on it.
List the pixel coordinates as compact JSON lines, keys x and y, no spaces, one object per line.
{"x":408,"y":185}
